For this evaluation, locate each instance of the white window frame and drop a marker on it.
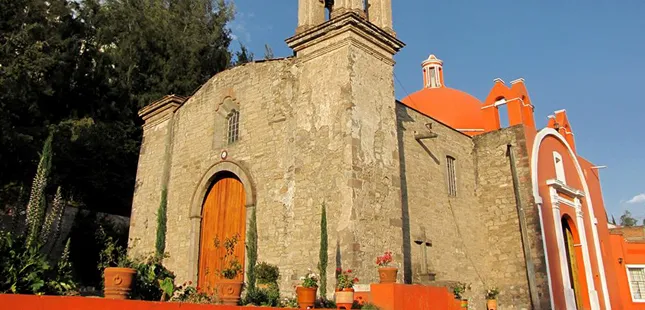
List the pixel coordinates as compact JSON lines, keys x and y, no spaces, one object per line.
{"x":233,"y":126}
{"x":629,"y":282}
{"x":560,"y":175}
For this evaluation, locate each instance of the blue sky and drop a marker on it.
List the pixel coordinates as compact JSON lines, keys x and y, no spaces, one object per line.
{"x":587,"y":57}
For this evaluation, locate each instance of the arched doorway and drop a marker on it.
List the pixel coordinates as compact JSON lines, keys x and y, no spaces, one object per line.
{"x":223,"y":216}
{"x":570,"y":240}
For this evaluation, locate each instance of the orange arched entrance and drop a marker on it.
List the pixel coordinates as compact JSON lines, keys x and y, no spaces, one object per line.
{"x":223,"y":216}
{"x":575,"y":263}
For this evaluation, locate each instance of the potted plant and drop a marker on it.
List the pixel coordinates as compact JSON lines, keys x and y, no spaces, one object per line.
{"x":458,"y":290}
{"x":118,"y":274}
{"x":386,"y":273}
{"x":266,"y":274}
{"x":307,"y":290}
{"x":229,"y":289}
{"x":345,"y":287}
{"x":491,"y":298}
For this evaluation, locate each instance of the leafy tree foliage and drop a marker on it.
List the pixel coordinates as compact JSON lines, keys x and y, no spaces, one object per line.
{"x":627,"y":219}
{"x":82,"y":69}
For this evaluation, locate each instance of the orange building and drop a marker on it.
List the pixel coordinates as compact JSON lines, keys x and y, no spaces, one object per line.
{"x":628,"y":245}
{"x":581,"y":256}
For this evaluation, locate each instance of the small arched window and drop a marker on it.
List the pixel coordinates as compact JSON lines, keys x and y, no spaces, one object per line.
{"x":233,"y":126}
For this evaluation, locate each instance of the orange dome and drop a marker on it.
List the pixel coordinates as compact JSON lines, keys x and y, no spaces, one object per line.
{"x":452,"y":107}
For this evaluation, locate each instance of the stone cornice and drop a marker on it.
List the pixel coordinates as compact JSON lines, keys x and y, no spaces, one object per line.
{"x":161,"y":109}
{"x":563,"y":188}
{"x":348,"y":21}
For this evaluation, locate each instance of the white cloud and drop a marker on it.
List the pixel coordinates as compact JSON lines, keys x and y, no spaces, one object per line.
{"x":640,"y":198}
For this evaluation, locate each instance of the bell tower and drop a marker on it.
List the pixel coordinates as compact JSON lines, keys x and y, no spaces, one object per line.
{"x":346,"y":139}
{"x":313,"y":12}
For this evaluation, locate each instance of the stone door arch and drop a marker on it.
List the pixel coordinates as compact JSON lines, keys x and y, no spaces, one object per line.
{"x":239,"y":180}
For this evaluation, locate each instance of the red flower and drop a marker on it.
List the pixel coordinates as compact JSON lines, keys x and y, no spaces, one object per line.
{"x":349,"y":271}
{"x":198,"y":288}
{"x":355,"y":280}
{"x":338,"y":269}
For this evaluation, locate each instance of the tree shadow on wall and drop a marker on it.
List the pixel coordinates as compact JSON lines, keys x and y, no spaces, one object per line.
{"x":403,"y":117}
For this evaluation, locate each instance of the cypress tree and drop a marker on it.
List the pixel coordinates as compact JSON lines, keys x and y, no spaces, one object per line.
{"x":252,"y":250}
{"x":322,"y":264}
{"x":160,"y":243}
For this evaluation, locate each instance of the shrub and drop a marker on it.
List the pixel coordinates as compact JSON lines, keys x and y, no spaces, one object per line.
{"x":150,"y":276}
{"x":26,"y":270}
{"x":266,"y":273}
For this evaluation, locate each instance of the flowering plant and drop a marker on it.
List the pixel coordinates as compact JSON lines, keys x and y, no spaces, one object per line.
{"x":345,"y":279}
{"x":492,"y":293}
{"x":384,"y":260}
{"x":459,"y":289}
{"x":310,"y":280}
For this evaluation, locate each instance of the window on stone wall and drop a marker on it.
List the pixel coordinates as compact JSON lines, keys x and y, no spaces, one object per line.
{"x":452,"y":176}
{"x":636,"y":276}
{"x":233,"y":126}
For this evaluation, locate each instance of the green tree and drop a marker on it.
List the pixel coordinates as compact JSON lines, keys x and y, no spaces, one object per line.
{"x":268,"y":52}
{"x":242,"y":56}
{"x":627,"y":219}
{"x":323,"y":255}
{"x":160,"y":242}
{"x":252,"y":250}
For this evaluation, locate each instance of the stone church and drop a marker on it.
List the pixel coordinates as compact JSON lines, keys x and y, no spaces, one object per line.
{"x":434,"y":178}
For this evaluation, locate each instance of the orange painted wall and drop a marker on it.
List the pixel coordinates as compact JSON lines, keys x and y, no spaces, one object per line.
{"x":631,"y":253}
{"x":32,"y":302}
{"x":592,"y":177}
{"x":546,"y":171}
{"x":394,"y":296}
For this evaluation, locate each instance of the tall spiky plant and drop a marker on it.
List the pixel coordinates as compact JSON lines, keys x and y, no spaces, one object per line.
{"x":51,"y":227}
{"x":252,"y":250}
{"x":323,"y":256}
{"x":160,"y":244}
{"x":37,"y":204}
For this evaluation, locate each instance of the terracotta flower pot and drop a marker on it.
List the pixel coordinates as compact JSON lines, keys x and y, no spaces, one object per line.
{"x":464,"y":303}
{"x":345,"y":297}
{"x":491,"y":304}
{"x":229,"y":291}
{"x":348,"y":289}
{"x":457,"y":303}
{"x":387,"y":274}
{"x":118,"y":282}
{"x":306,"y":297}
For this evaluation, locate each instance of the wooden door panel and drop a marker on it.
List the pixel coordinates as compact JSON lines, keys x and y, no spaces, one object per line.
{"x":223,"y":216}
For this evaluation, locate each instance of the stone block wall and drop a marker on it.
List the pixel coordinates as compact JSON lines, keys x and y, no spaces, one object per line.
{"x":506,"y":260}
{"x":453,"y":225}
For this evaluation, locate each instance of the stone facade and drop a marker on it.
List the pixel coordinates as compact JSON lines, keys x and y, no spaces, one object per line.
{"x":324,"y":127}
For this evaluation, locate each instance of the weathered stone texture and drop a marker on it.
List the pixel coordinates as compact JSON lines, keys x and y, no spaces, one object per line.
{"x":506,"y":261}
{"x":313,"y":129}
{"x":147,"y":192}
{"x":452,"y":224}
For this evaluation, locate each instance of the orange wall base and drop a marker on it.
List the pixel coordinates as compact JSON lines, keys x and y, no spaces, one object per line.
{"x":396,"y":296}
{"x":33,"y":302}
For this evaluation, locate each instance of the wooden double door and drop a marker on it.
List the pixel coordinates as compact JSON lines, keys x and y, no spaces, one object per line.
{"x":223,"y":216}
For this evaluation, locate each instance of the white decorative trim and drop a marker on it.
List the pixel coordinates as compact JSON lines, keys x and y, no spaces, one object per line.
{"x":582,"y":234}
{"x":517,"y":81}
{"x":536,"y":195}
{"x":469,"y":129}
{"x":629,"y":282}
{"x":563,"y":188}
{"x":569,"y":293}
